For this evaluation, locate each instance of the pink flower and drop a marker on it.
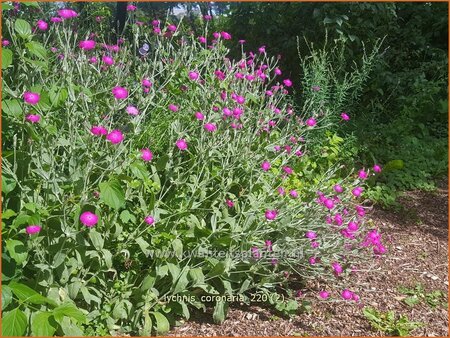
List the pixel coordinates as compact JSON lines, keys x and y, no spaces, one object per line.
{"x":345,"y":117}
{"x":193,"y":75}
{"x":287,"y":83}
{"x":352,"y":226}
{"x":311,"y":122}
{"x":207,"y":17}
{"x":241,"y":42}
{"x":201,"y":39}
{"x":314,"y":244}
{"x":357,"y":191}
{"x":146,"y":154}
{"x":211,"y":127}
{"x":33,"y":118}
{"x":363,"y":174}
{"x":281,"y":191}
{"x":107,"y":60}
{"x":312,"y":260}
{"x":115,"y":136}
{"x":55,"y":19}
{"x":277,"y":71}
{"x":33,"y":229}
{"x":173,"y":107}
{"x":5,"y":42}
{"x":131,"y":8}
{"x":329,"y":203}
{"x":31,"y":98}
{"x":288,"y":170}
{"x":230,"y":203}
{"x":337,"y":268}
{"x":347,"y":294}
{"x":315,"y":88}
{"x":377,"y":168}
{"x":225,"y":35}
{"x":240,"y":99}
{"x":132,"y":110}
{"x":88,"y":219}
{"x":181,"y":144}
{"x":87,"y":44}
{"x":199,"y":116}
{"x":271,"y":214}
{"x":146,"y":83}
{"x":67,"y":13}
{"x":338,"y":188}
{"x":155,"y":23}
{"x":99,"y":130}
{"x":149,"y":220}
{"x":311,"y":234}
{"x":172,"y":28}
{"x":120,"y":93}
{"x":262,"y":49}
{"x":42,"y":25}
{"x":293,"y":193}
{"x":93,"y":60}
{"x":265,"y":166}
{"x":324,"y":294}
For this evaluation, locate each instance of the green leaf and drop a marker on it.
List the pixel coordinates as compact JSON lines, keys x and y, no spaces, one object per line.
{"x":69,"y":310}
{"x":22,"y":28}
{"x":177,"y":246}
{"x":112,"y":194}
{"x":143,"y":245}
{"x":14,"y":323}
{"x":43,"y":324}
{"x":139,"y":170}
{"x":218,"y":269}
{"x":126,"y":216}
{"x":162,"y":324}
{"x":28,"y":295}
{"x":70,"y":329}
{"x":148,"y":282}
{"x":37,"y":49}
{"x":6,"y":6}
{"x":8,"y":184}
{"x":220,"y":311}
{"x":96,"y":239}
{"x":8,"y":214}
{"x":411,"y":301}
{"x":17,"y":250}
{"x":161,"y":163}
{"x":119,"y":311}
{"x":197,"y":276}
{"x":182,"y":282}
{"x":6,"y":296}
{"x":147,"y":329}
{"x":7,"y":57}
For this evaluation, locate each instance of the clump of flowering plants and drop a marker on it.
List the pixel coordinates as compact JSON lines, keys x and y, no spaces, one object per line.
{"x":156,"y":167}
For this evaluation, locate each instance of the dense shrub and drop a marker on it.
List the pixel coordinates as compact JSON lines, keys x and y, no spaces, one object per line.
{"x":157,"y":167}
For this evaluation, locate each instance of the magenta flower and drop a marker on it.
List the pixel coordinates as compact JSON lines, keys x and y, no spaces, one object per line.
{"x":87,"y":44}
{"x":33,"y":118}
{"x":5,"y":42}
{"x":33,"y":229}
{"x":199,"y":116}
{"x":287,"y":83}
{"x":363,"y":174}
{"x":338,"y":188}
{"x":311,"y":122}
{"x":149,"y":220}
{"x":315,"y":88}
{"x":324,"y":294}
{"x":240,"y":99}
{"x":99,"y":130}
{"x":357,"y":191}
{"x":132,"y":110}
{"x":293,"y":193}
{"x":377,"y":168}
{"x":120,"y":93}
{"x":312,"y":260}
{"x":265,"y":166}
{"x":193,"y":75}
{"x":42,"y":25}
{"x":268,"y":244}
{"x":329,"y":203}
{"x":288,"y":170}
{"x":173,"y":107}
{"x":211,"y":127}
{"x":311,"y":234}
{"x":181,"y":144}
{"x":55,"y":19}
{"x":262,"y":49}
{"x":271,"y":214}
{"x":225,"y":35}
{"x":88,"y":219}
{"x":115,"y":136}
{"x":31,"y":98}
{"x":281,"y":191}
{"x":337,"y":268}
{"x":352,"y":226}
{"x":131,"y":8}
{"x":277,"y":71}
{"x":107,"y":60}
{"x":67,"y":13}
{"x":146,"y":83}
{"x":347,"y":294}
{"x":172,"y":28}
{"x":146,"y":154}
{"x":230,"y":203}
{"x":93,"y":60}
{"x":201,"y":39}
{"x":345,"y":117}
{"x":314,"y":244}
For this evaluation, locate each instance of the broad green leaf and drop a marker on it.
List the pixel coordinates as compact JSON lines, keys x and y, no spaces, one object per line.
{"x":8,"y":214}
{"x":22,"y":28}
{"x":69,"y":310}
{"x":28,"y":295}
{"x":220,"y":311}
{"x":162,"y":324}
{"x":218,"y":269}
{"x":96,"y":239}
{"x":6,"y":6}
{"x":161,"y":163}
{"x":197,"y":276}
{"x":148,"y":282}
{"x":6,"y":296}
{"x":7,"y":57}
{"x":147,"y":329}
{"x":17,"y":250}
{"x":177,"y":246}
{"x":37,"y":49}
{"x":181,"y":282}
{"x":8,"y":184}
{"x":14,"y":323}
{"x":143,"y":245}
{"x":43,"y":324}
{"x":126,"y":216}
{"x":119,"y":311}
{"x":112,"y":194}
{"x":139,"y":170}
{"x":70,"y":329}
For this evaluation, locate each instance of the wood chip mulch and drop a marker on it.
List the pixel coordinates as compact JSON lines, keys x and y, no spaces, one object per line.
{"x":416,"y":238}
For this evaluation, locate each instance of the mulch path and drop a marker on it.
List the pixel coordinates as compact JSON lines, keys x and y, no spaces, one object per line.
{"x":416,"y":238}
